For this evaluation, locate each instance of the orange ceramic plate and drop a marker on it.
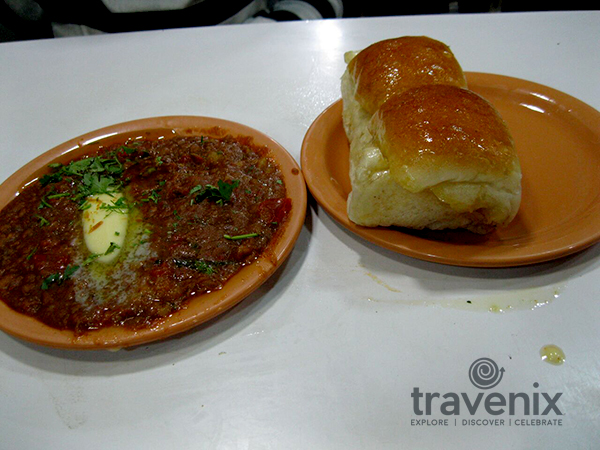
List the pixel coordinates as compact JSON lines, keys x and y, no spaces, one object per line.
{"x":201,"y":308}
{"x":558,"y":142}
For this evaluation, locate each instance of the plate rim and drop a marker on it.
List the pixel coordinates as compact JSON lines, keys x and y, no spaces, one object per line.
{"x":200,"y":309}
{"x":373,"y":235}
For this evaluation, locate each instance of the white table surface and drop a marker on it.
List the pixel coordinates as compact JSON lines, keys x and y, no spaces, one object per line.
{"x":327,"y":353}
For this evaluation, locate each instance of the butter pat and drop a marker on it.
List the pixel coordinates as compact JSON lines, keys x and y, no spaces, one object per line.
{"x":105,"y":226}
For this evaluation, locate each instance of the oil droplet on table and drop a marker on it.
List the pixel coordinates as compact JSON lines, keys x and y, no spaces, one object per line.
{"x":552,"y":355}
{"x":522,"y":299}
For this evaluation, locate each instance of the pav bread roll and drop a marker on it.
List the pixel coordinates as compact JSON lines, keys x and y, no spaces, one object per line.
{"x":391,"y":66}
{"x":431,"y":155}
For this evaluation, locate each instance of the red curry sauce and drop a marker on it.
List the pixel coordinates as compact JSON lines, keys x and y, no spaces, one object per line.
{"x":200,"y":208}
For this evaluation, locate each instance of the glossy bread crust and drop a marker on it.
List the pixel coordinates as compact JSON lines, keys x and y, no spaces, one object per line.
{"x":393,"y":65}
{"x":438,"y":133}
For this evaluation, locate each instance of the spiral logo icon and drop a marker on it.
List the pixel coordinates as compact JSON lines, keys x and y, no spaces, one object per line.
{"x":484,"y":373}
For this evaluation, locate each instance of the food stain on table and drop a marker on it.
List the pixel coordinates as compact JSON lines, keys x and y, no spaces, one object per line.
{"x":68,"y":401}
{"x":513,"y":300}
{"x":381,"y":282}
{"x":505,"y":301}
{"x":552,"y":355}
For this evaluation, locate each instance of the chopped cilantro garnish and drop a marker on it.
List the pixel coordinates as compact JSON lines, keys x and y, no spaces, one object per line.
{"x":58,"y":278}
{"x":28,"y":257}
{"x":111,"y":248}
{"x":240,"y":236}
{"x":44,"y":203}
{"x":196,"y":189}
{"x":198,"y":265}
{"x":219,"y":194}
{"x":93,"y":184}
{"x":128,"y":150}
{"x":152,"y":196}
{"x":51,"y":178}
{"x":87,"y":261}
{"x":203,"y":267}
{"x":62,"y":194}
{"x":93,"y":175}
{"x":43,"y":221}
{"x":120,"y":206}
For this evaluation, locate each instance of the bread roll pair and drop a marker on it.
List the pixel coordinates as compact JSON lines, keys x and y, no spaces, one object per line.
{"x":425,"y":152}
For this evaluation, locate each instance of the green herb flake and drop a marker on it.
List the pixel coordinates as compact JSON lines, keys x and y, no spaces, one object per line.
{"x":219,"y":194}
{"x":203,"y":267}
{"x":28,"y":257}
{"x":127,"y":150}
{"x":44,"y":203}
{"x":111,"y":248}
{"x":240,"y":236}
{"x":152,"y":197}
{"x":42,"y":221}
{"x":62,"y":194}
{"x":120,"y":206}
{"x":50,"y":178}
{"x":199,"y":265}
{"x":196,"y":189}
{"x":58,"y":278}
{"x":91,"y":259}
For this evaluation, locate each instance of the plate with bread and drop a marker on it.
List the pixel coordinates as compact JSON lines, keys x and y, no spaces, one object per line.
{"x":462,"y":168}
